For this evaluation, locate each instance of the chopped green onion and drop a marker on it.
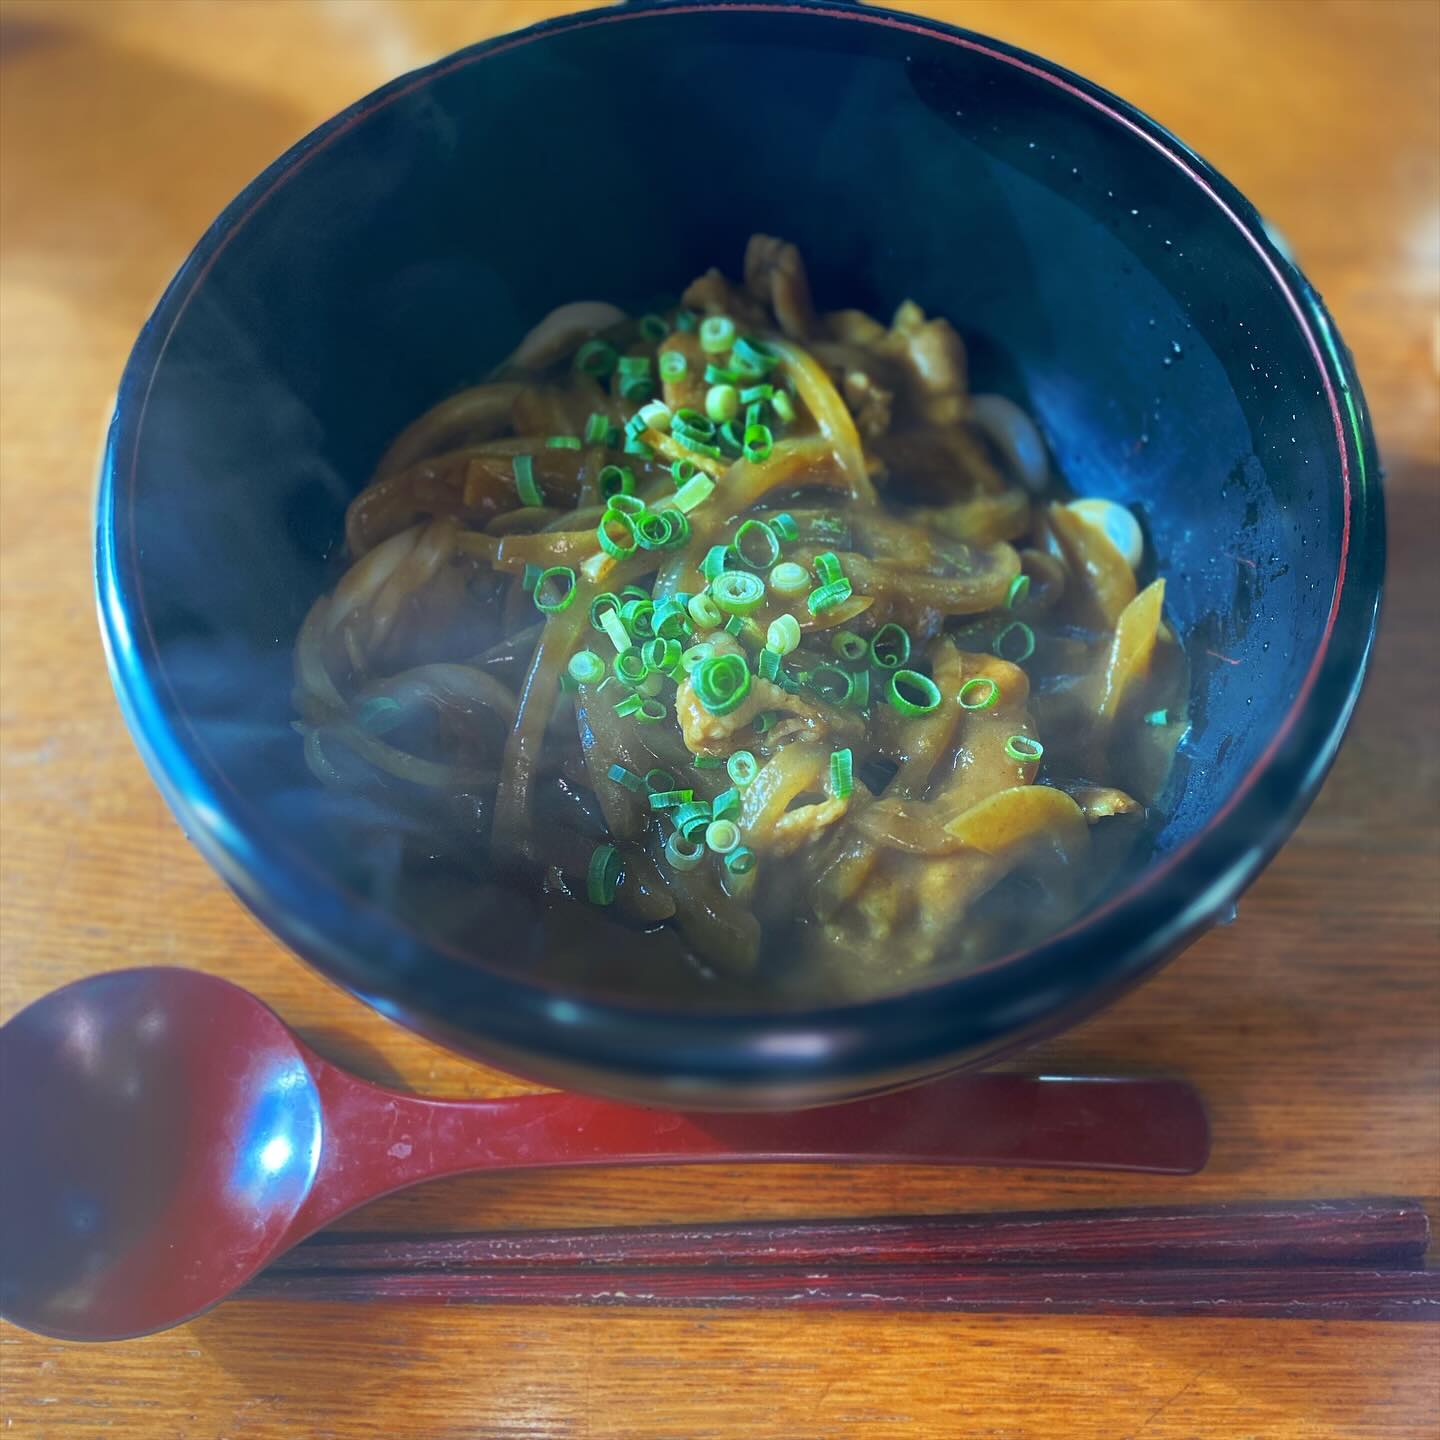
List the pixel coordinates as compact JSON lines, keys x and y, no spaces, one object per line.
{"x":652,"y":684}
{"x":755,"y":413}
{"x":1019,"y":589}
{"x":587,"y":667}
{"x":627,"y":504}
{"x":529,"y":577}
{"x":653,"y":327}
{"x":753,"y":359}
{"x":716,"y":561}
{"x":721,"y":683}
{"x":691,"y":422}
{"x":613,"y":521}
{"x":722,"y":403}
{"x":758,"y":443}
{"x":860,"y":689}
{"x":683,"y":470}
{"x":661,"y":654}
{"x":783,"y":634}
{"x":546,"y":598}
{"x":681,"y":853}
{"x":722,"y":836}
{"x":525,"y":486}
{"x":768,"y":664}
{"x":784,"y":526}
{"x":827,"y":567}
{"x":635,"y":381}
{"x":740,"y":861}
{"x":1023,"y":749}
{"x":717,"y":334}
{"x":658,"y":779}
{"x":744,"y":628}
{"x":827,"y":596}
{"x":685,"y":320}
{"x":638,"y":447}
{"x":830,"y":683}
{"x":630,"y":669}
{"x":757,"y":545}
{"x":765,"y":720}
{"x":615,"y":480}
{"x":719,"y":375}
{"x":614,"y":627}
{"x":603,"y":878}
{"x":708,"y":762}
{"x":742,"y":767}
{"x":628,"y":778}
{"x":670,"y":620}
{"x":595,"y":357}
{"x":655,"y":414}
{"x":680,"y":527}
{"x":726,"y":805}
{"x":691,"y":441}
{"x":691,"y":657}
{"x":849,"y":646}
{"x":842,"y":774}
{"x":634,"y":364}
{"x":978,"y":693}
{"x":756,"y":392}
{"x":692,"y":818}
{"x":597,"y":429}
{"x":602,"y":605}
{"x":636,"y":615}
{"x":730,"y":439}
{"x":654,"y":531}
{"x":633,"y":592}
{"x":783,"y":406}
{"x":1158,"y":717}
{"x":1022,"y":648}
{"x":912,"y":693}
{"x":788,"y":578}
{"x":890,"y":646}
{"x":737,"y":592}
{"x":705,"y":612}
{"x":379,"y":714}
{"x":670,"y":799}
{"x":695,"y":491}
{"x":673,"y":365}
{"x":644,"y":708}
{"x":563,"y":442}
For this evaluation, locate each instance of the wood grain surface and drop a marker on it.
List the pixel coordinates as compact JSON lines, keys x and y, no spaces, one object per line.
{"x":1312,"y":1025}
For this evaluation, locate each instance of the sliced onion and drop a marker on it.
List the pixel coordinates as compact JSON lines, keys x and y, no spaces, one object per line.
{"x":1014,"y":435}
{"x":1116,"y":523}
{"x":561,"y":330}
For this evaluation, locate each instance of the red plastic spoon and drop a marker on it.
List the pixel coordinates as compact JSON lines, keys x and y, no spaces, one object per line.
{"x":166,"y":1135}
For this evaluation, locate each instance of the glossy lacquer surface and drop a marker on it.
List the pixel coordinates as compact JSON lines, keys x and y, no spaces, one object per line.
{"x":1309,"y":1025}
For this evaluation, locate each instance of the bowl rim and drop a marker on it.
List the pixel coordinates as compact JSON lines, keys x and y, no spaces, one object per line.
{"x":920,"y":1030}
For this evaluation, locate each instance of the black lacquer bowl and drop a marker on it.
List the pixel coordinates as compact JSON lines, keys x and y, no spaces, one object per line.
{"x":1106,"y":278}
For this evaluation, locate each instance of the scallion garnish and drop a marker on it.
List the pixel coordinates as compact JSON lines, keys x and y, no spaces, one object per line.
{"x":635,"y":383}
{"x":978,"y":693}
{"x":755,"y":413}
{"x":670,"y":799}
{"x":653,"y":327}
{"x":691,"y":441}
{"x":783,"y":634}
{"x":756,"y":392}
{"x":587,"y":667}
{"x":616,"y":533}
{"x":563,"y":442}
{"x":596,"y":357}
{"x":912,"y":693}
{"x":681,"y":853}
{"x":673,"y":365}
{"x":849,"y":646}
{"x":683,"y":470}
{"x":692,"y":818}
{"x":600,"y":606}
{"x":722,"y":403}
{"x":628,"y":778}
{"x":654,"y":531}
{"x":826,"y":597}
{"x":788,"y":578}
{"x":630,"y":669}
{"x":721,"y":683}
{"x":614,"y":627}
{"x":860,"y":689}
{"x":634,"y":446}
{"x":765,"y":720}
{"x":615,"y":480}
{"x":757,"y":544}
{"x":695,"y":491}
{"x":890,"y":646}
{"x":1023,"y":749}
{"x":783,"y":406}
{"x":726,"y":805}
{"x":1021,"y":646}
{"x":670,"y":619}
{"x":842,"y":774}
{"x":597,"y":429}
{"x":740,"y":861}
{"x":708,"y":762}
{"x":529,"y":576}
{"x":662,"y":655}
{"x":554,"y":589}
{"x":716,"y":561}
{"x":830,"y":683}
{"x":1019,"y":589}
{"x":691,"y":657}
{"x":717,"y":334}
{"x":785,"y":527}
{"x":768,"y":664}
{"x":719,"y":375}
{"x":658,"y":779}
{"x":525,"y":486}
{"x":603,"y":877}
{"x":705,"y":612}
{"x":752,"y":359}
{"x":742,"y":767}
{"x":655,"y":414}
{"x":722,"y":836}
{"x":827,"y":567}
{"x":643,"y":708}
{"x":636,"y":614}
{"x":730,"y":440}
{"x":737,"y":592}
{"x":757,"y":443}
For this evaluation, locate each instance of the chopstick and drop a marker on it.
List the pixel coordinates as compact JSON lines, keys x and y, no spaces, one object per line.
{"x":1381,"y":1232}
{"x":1326,"y":1293}
{"x":1319,"y":1259}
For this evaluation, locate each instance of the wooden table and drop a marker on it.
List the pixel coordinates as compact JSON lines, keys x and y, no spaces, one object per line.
{"x":1313,"y":1025}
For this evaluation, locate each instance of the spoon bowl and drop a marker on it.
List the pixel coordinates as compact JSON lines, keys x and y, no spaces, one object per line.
{"x":166,"y":1136}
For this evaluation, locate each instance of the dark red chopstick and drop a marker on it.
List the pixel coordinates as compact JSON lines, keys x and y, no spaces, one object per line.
{"x":1392,"y":1233}
{"x":1331,"y":1292}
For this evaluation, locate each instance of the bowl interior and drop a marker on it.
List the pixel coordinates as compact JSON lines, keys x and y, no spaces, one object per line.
{"x":401,"y":253}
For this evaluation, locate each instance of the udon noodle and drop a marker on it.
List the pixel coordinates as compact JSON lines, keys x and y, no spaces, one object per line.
{"x":758,"y":654}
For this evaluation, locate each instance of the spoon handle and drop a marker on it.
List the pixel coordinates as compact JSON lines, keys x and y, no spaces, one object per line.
{"x":377,"y":1141}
